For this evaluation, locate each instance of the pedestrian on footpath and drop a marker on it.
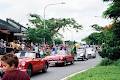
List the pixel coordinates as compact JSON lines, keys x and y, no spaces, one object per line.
{"x":9,"y":64}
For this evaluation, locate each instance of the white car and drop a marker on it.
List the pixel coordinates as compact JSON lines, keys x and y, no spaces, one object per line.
{"x":91,"y":52}
{"x":81,"y":54}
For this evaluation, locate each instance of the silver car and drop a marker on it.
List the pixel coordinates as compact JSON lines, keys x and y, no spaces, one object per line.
{"x":81,"y":54}
{"x":91,"y":52}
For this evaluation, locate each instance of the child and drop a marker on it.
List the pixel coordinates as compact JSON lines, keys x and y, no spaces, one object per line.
{"x":9,"y":64}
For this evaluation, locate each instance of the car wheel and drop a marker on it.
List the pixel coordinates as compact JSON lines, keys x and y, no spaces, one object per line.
{"x":83,"y":58}
{"x":65,"y":63}
{"x":29,"y":70}
{"x":45,"y":68}
{"x":94,"y":56}
{"x":1,"y":73}
{"x":89,"y":56}
{"x":72,"y":62}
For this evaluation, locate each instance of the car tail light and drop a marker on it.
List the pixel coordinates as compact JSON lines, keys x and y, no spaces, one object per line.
{"x":61,"y":58}
{"x":22,"y":63}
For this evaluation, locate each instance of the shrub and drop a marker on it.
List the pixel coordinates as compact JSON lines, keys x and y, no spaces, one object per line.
{"x":103,"y":53}
{"x":115,"y":54}
{"x":111,"y":46}
{"x":106,"y":62}
{"x":117,"y":63}
{"x":112,"y":53}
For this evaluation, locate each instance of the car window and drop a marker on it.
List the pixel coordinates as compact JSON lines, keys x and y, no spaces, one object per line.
{"x":31,"y":55}
{"x":37,"y":55}
{"x":89,"y":49}
{"x":80,"y":50}
{"x":22,"y":54}
{"x":25,"y":54}
{"x":62,"y":52}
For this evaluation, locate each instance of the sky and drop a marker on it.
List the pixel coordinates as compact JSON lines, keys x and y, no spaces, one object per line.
{"x":85,"y":12}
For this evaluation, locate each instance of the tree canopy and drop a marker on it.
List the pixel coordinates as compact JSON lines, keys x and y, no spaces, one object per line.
{"x":113,"y":11}
{"x":108,"y":36}
{"x":51,"y":26}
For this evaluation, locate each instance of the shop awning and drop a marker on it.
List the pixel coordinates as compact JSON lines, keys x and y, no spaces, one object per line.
{"x":6,"y":26}
{"x":5,"y":31}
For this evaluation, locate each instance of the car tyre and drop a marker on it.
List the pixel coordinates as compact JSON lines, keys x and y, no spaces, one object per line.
{"x":89,"y":56}
{"x":94,"y":56}
{"x":45,"y":68}
{"x":29,"y":70}
{"x":65,"y":63}
{"x":72,"y":62}
{"x":83,"y":58}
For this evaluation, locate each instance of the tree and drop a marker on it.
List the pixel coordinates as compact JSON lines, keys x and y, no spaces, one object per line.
{"x":113,"y":11}
{"x":97,"y":27}
{"x":38,"y":35}
{"x":95,"y":38}
{"x":56,"y":24}
{"x":112,"y":46}
{"x":58,"y":41}
{"x":108,"y":36}
{"x":31,"y":35}
{"x":52,"y":25}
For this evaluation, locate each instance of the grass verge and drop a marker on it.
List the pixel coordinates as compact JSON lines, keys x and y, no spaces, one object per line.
{"x":99,"y":73}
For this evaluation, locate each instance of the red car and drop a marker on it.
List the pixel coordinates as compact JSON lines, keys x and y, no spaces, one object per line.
{"x":61,"y":57}
{"x":31,"y":62}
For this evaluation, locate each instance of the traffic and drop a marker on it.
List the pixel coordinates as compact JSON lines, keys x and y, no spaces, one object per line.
{"x":38,"y":59}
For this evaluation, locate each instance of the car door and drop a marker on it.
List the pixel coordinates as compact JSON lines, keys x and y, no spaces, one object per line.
{"x":69,"y":57}
{"x":39,"y":61}
{"x":33,"y":61}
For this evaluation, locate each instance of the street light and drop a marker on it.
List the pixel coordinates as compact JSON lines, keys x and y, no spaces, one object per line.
{"x":45,"y":13}
{"x":46,"y":8}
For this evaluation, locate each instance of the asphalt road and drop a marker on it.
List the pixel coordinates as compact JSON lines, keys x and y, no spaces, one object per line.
{"x":57,"y":73}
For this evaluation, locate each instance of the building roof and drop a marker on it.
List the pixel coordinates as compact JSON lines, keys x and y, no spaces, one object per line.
{"x":5,"y":25}
{"x":10,"y":21}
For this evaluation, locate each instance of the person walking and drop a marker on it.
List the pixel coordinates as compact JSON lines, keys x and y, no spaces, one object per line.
{"x":9,"y":63}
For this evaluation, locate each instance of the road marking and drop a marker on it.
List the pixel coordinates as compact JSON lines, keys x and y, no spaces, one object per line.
{"x":75,"y":74}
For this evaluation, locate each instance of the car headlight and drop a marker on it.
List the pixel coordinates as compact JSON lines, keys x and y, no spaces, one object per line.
{"x":61,"y":58}
{"x":23,"y":63}
{"x":82,"y":54}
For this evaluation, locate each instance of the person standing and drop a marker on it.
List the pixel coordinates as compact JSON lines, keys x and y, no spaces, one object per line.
{"x":74,"y":50}
{"x":9,"y":63}
{"x":4,"y":44}
{"x":41,"y":51}
{"x":36,"y":49}
{"x":22,"y":46}
{"x":1,"y":43}
{"x":2,"y":49}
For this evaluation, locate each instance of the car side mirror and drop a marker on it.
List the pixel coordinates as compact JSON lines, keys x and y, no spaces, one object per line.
{"x":37,"y":55}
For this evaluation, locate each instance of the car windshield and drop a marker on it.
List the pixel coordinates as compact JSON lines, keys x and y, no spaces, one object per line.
{"x":62,"y":52}
{"x":25,"y":54}
{"x":89,"y":49}
{"x":80,"y":50}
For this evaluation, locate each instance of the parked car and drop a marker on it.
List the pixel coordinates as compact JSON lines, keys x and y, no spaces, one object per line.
{"x":91,"y":52}
{"x":31,"y":62}
{"x":81,"y":54}
{"x":62,"y":57}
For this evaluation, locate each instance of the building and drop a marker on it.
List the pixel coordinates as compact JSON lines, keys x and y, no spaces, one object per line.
{"x":11,"y":30}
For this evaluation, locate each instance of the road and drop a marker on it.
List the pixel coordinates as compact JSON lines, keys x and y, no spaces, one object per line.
{"x":57,"y":73}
